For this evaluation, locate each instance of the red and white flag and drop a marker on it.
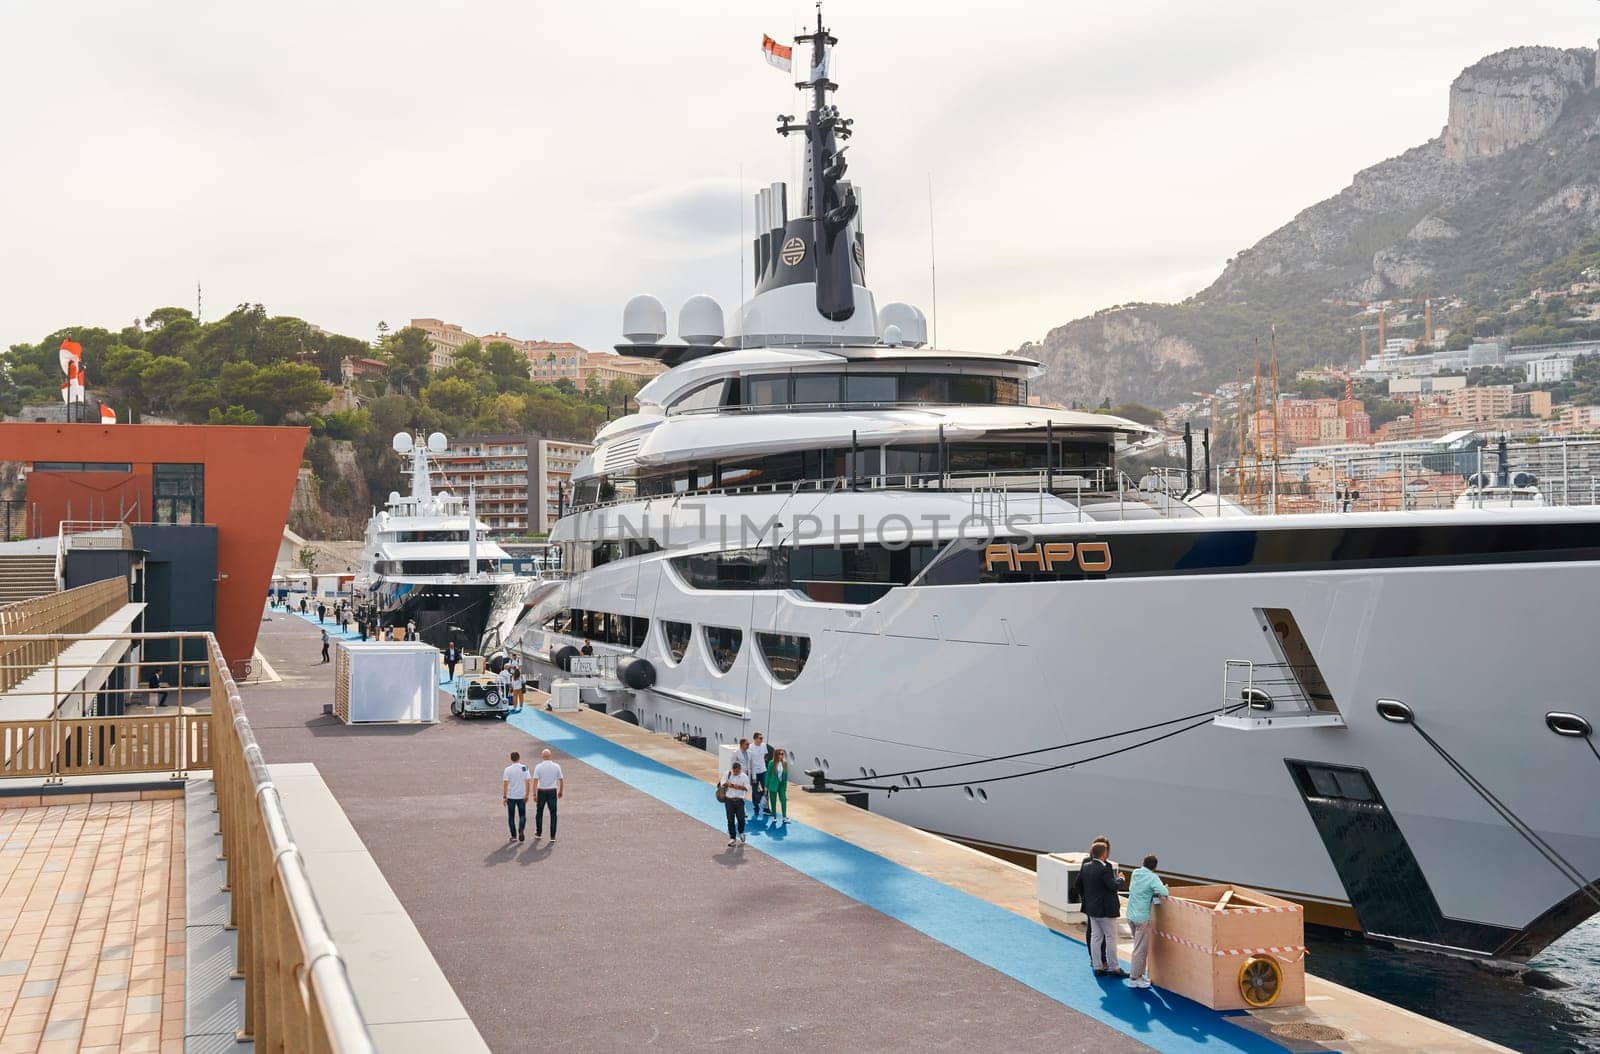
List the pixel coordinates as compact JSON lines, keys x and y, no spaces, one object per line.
{"x":780,"y":55}
{"x":108,"y":416}
{"x":71,"y":352}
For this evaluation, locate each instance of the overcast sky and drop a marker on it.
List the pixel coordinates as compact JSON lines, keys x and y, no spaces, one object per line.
{"x":527,"y":166}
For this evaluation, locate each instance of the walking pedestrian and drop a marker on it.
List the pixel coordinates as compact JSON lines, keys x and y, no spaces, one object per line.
{"x":778,"y":784}
{"x":758,"y":773}
{"x":324,"y":646}
{"x":514,"y":796}
{"x":735,"y":791}
{"x":745,"y":756}
{"x":322,"y":612}
{"x":411,"y":629}
{"x":302,"y":605}
{"x":1102,"y":906}
{"x":503,"y":678}
{"x":344,"y":619}
{"x":517,"y":686}
{"x":552,"y":788}
{"x":1145,"y":889}
{"x":362,"y":625}
{"x":452,"y":658}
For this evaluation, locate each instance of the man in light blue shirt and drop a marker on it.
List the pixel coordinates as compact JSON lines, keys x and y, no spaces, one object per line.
{"x":1144,"y":889}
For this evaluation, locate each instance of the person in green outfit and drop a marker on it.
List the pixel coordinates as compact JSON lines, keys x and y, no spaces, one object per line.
{"x":778,"y":785}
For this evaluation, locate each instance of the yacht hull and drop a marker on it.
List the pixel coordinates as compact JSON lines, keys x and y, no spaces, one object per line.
{"x":476,"y":615}
{"x":937,"y":675}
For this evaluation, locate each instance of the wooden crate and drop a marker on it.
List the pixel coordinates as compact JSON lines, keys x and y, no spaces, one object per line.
{"x":1205,"y":935}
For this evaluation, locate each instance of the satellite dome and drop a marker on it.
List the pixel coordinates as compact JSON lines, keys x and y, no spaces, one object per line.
{"x":910,"y":320}
{"x":437,"y":443}
{"x":892,"y":335}
{"x":700,"y":320}
{"x":644,"y":320}
{"x":401,"y":442}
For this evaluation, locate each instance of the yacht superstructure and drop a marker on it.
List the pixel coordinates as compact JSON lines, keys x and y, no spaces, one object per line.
{"x":427,"y":558}
{"x":886,"y":558}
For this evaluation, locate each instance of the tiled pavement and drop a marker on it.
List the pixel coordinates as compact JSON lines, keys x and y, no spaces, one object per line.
{"x":92,"y":917}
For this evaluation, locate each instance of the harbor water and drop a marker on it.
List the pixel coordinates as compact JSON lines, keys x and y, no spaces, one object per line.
{"x":1499,"y":1006}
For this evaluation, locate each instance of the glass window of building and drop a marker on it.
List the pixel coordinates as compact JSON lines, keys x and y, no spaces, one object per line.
{"x":677,"y":635}
{"x":179,"y":493}
{"x":785,"y":654}
{"x":723,"y":644}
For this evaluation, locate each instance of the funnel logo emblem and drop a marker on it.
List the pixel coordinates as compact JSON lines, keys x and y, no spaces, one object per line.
{"x":794,"y":250}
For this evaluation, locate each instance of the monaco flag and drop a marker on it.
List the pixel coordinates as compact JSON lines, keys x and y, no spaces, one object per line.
{"x":108,"y":416}
{"x":71,"y":353}
{"x":780,"y":55}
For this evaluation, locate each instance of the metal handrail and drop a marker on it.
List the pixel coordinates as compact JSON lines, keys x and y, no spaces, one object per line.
{"x":1079,"y":482}
{"x":324,"y":1015}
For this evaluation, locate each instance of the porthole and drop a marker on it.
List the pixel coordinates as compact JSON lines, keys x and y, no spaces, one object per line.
{"x":827,"y":764}
{"x":917,"y":780}
{"x":907,"y":780}
{"x":874,"y":773}
{"x":983,"y":795}
{"x":816,"y":760}
{"x":968,"y":790}
{"x":863,"y":772}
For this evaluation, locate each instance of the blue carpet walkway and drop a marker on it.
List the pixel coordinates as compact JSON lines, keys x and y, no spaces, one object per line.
{"x":1017,"y":947}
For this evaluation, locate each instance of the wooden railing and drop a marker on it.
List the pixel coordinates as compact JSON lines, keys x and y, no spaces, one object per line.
{"x":43,"y":618}
{"x":297,"y":992}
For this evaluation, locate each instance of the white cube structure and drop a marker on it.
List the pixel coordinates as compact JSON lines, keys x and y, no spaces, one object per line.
{"x":376,"y":682}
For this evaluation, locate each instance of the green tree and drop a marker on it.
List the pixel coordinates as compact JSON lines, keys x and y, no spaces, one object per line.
{"x":452,"y":397}
{"x":409,"y":355}
{"x":233,"y":415}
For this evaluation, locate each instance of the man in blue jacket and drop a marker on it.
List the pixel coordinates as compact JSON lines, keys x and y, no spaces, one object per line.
{"x":1102,"y":906}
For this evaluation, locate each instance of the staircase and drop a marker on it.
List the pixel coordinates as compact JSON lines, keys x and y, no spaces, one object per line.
{"x":23,"y":577}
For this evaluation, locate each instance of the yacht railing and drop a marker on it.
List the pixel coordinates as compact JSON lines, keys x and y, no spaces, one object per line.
{"x":989,"y":489}
{"x":823,"y":407}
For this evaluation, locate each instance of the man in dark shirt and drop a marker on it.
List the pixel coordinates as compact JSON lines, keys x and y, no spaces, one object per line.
{"x":1102,"y":906}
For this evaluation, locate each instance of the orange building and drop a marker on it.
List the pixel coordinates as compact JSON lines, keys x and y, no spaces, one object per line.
{"x":237,"y":479}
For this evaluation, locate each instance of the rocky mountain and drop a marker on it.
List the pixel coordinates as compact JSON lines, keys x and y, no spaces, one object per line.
{"x":1509,"y":185}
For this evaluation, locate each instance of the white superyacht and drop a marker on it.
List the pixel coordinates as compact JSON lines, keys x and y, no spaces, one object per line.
{"x":883,"y":556}
{"x":427,"y":558}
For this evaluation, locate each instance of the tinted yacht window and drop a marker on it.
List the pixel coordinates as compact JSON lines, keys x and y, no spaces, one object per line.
{"x":811,"y":389}
{"x":785,"y":654}
{"x":723,"y":644}
{"x":871,"y":387}
{"x":677,"y":635}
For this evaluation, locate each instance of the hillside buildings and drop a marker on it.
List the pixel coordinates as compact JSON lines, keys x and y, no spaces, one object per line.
{"x":548,"y":360}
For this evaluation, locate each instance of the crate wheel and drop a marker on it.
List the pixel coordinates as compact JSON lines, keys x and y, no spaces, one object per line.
{"x":1260,"y":980}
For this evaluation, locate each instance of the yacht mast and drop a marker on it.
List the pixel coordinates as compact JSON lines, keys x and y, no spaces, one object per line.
{"x":832,"y":203}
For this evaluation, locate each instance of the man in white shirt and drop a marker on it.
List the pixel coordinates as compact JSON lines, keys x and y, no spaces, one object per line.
{"x":552,"y":787}
{"x":514,"y":796}
{"x":503,"y":679}
{"x":757,"y":770}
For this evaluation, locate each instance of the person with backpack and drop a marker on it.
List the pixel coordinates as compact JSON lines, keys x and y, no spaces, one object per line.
{"x":734,"y":790}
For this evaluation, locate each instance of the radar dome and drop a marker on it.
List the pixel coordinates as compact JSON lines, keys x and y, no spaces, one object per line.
{"x":700,"y":320}
{"x":644,"y":320}
{"x":912,"y":324}
{"x":401,"y":442}
{"x":437,"y":443}
{"x":892,"y":335}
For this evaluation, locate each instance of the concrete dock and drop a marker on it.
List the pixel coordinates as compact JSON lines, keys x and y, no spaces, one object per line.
{"x":639,"y":927}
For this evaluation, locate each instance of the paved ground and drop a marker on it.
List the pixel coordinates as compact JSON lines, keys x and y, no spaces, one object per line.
{"x":638,"y":928}
{"x":91,"y":914}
